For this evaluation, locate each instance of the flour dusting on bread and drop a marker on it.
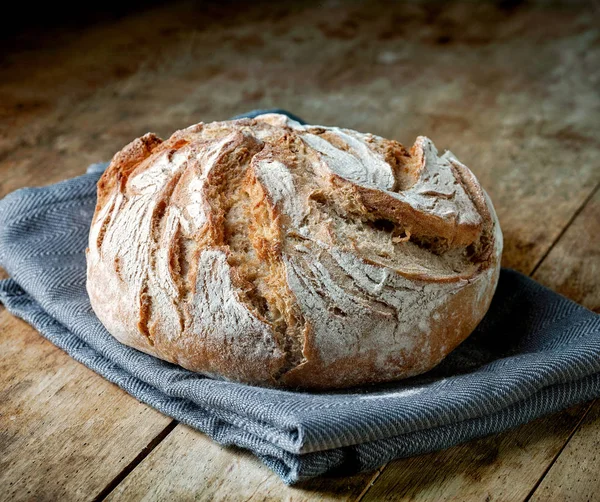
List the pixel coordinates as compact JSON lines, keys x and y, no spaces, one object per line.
{"x":273,"y":253}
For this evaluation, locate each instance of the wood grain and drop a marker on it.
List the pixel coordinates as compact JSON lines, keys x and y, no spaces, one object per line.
{"x":510,"y":90}
{"x":45,"y":74}
{"x":499,"y":468}
{"x":573,"y":265}
{"x":480,"y":470}
{"x":189,"y":466}
{"x":485,"y":469}
{"x":573,"y":268}
{"x":65,"y":432}
{"x":575,"y":477}
{"x":516,"y":109}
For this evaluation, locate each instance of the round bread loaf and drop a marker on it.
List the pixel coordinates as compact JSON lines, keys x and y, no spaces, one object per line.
{"x":272,"y":253}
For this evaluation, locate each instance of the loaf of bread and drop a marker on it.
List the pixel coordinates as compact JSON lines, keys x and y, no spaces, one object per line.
{"x":272,"y":253}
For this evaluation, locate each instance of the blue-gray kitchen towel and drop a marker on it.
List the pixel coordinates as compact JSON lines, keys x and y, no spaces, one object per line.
{"x":534,"y":353}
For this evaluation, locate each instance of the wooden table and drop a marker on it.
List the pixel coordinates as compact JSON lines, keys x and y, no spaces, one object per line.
{"x":512,"y":89}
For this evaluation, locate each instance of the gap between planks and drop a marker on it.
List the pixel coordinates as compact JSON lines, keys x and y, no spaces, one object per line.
{"x":559,"y":452}
{"x":586,"y":412}
{"x":576,"y":213}
{"x":167,"y":430}
{"x":565,"y":228}
{"x":136,"y":461}
{"x":371,"y":482}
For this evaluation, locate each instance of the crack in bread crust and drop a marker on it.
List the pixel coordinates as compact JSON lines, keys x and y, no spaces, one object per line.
{"x":272,"y":253}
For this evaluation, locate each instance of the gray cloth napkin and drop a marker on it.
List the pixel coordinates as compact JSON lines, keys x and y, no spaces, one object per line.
{"x":534,"y":353}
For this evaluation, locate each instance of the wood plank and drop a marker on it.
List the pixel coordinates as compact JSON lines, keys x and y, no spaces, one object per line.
{"x":481,"y":470}
{"x":574,"y":477}
{"x":496,"y":466}
{"x":65,"y":432}
{"x":48,"y":77}
{"x":485,"y":469}
{"x":189,"y":466}
{"x":574,"y":271}
{"x":44,"y":74}
{"x":501,"y":467}
{"x":525,"y":135}
{"x":516,"y":123}
{"x":573,"y":265}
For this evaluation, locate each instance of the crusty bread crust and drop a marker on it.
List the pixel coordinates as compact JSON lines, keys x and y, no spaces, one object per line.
{"x":271,"y":253}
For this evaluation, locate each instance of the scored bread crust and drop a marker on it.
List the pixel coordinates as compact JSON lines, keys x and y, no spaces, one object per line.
{"x":272,"y":253}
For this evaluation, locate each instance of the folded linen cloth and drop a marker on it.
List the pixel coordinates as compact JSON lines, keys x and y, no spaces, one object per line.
{"x":534,"y":353}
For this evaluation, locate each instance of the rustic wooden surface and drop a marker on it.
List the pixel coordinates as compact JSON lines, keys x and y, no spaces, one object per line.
{"x":55,"y":417}
{"x":512,"y":89}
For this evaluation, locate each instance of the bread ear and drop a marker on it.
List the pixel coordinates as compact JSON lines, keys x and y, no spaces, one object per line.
{"x":123,"y":163}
